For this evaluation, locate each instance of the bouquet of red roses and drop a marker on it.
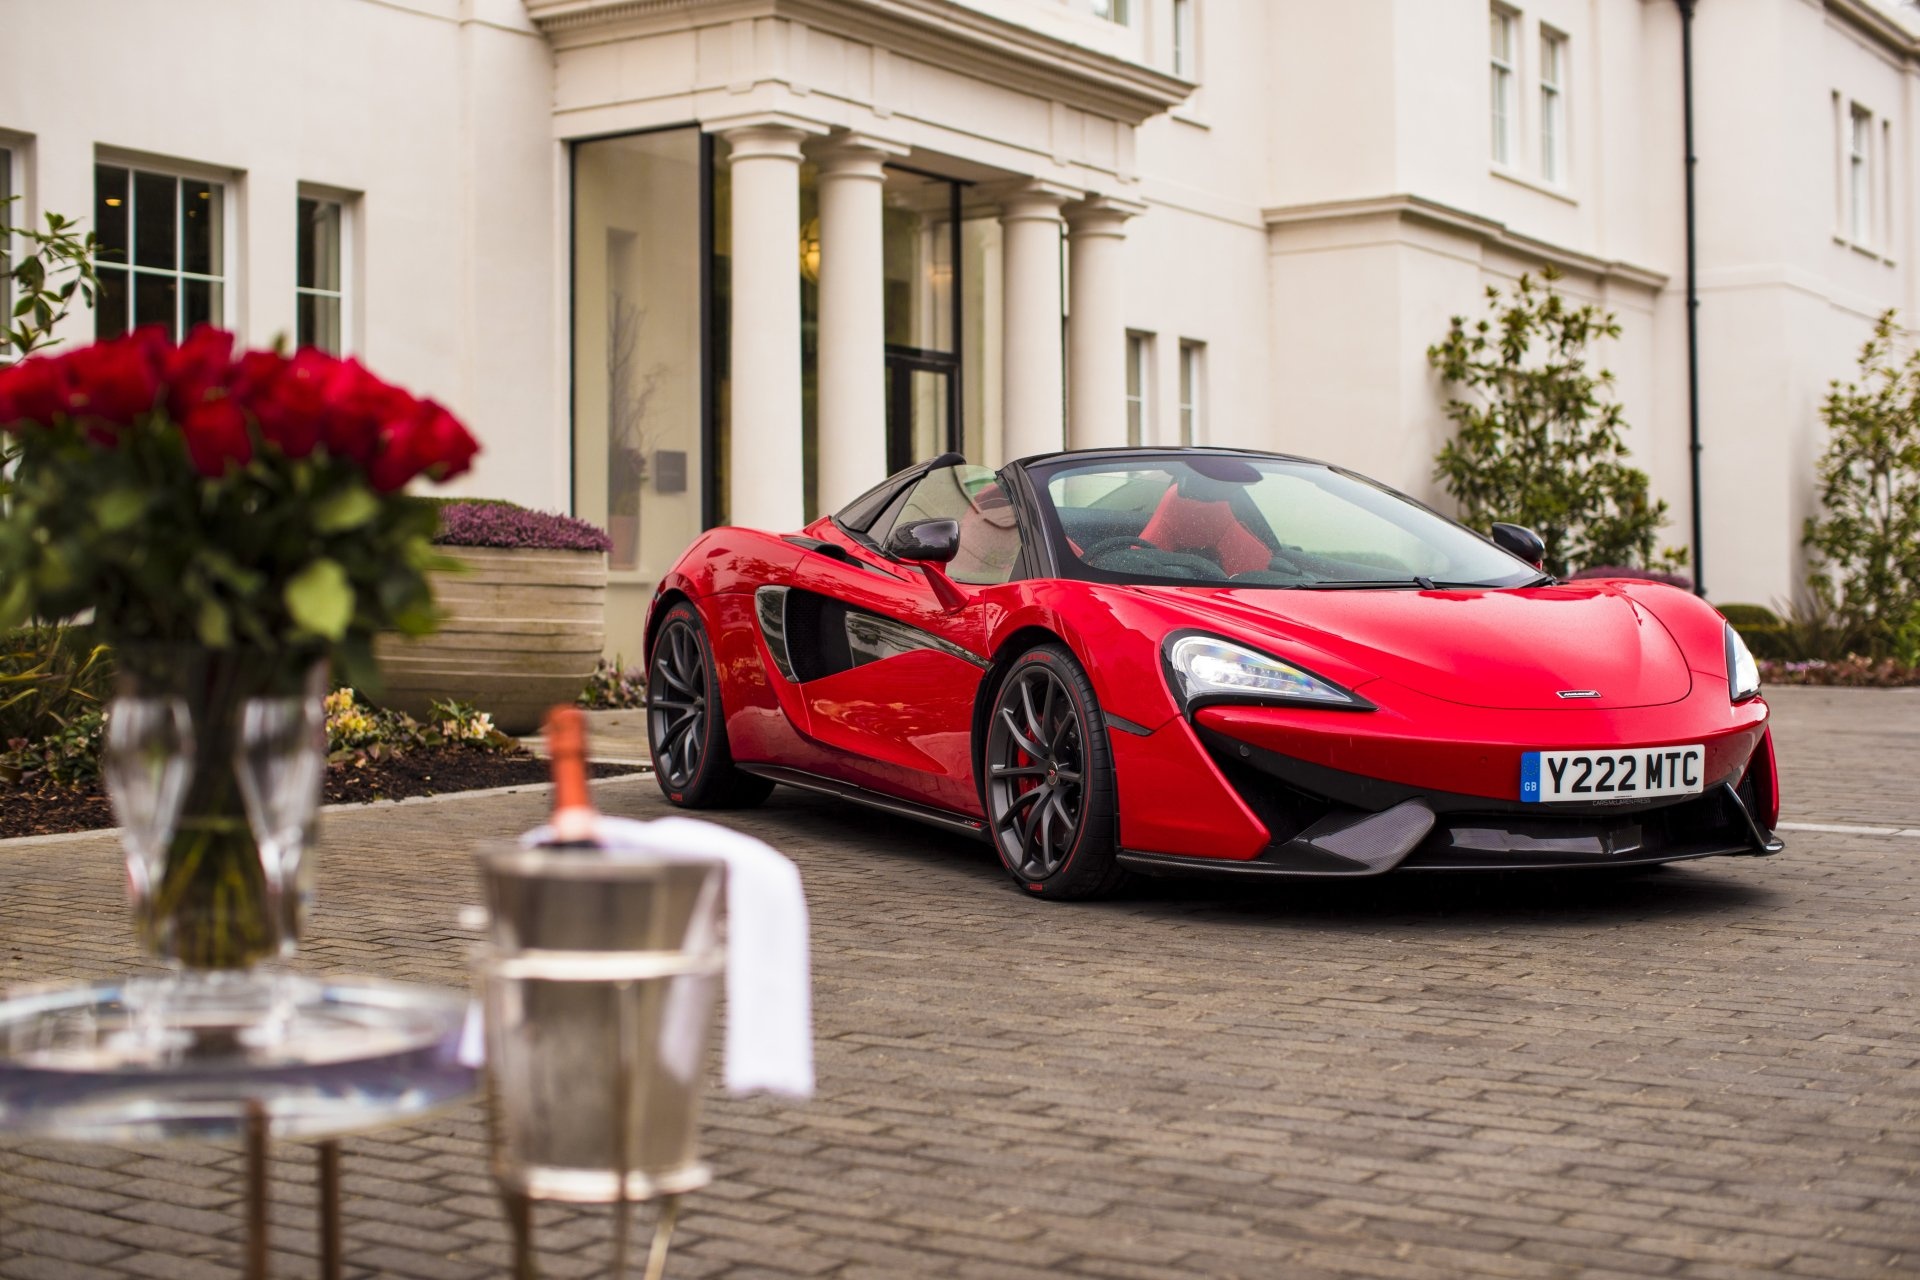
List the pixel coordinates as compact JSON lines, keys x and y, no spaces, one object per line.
{"x":189,"y":495}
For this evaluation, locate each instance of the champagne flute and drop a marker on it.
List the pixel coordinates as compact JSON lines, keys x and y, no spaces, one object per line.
{"x":280,"y":757}
{"x":146,"y":759}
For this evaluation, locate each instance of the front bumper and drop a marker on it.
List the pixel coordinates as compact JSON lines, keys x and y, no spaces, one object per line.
{"x":1321,"y":821}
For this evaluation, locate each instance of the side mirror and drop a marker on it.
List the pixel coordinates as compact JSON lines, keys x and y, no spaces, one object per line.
{"x":937,"y":541}
{"x":1517,"y":539}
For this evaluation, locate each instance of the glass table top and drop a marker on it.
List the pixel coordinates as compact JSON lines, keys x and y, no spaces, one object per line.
{"x":190,"y":1056}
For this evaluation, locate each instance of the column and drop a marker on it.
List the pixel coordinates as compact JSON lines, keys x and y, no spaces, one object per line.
{"x":1096,"y":323}
{"x":1033,"y":409}
{"x":852,"y":441}
{"x":765,"y":459}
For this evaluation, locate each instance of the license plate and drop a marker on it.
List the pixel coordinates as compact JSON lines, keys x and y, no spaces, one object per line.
{"x":1611,"y":773}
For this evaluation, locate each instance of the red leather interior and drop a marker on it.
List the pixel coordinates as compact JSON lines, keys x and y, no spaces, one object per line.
{"x":1181,"y":523}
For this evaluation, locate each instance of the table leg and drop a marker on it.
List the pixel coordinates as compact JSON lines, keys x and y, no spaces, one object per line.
{"x":662,"y":1238}
{"x":256,"y":1140}
{"x":330,"y":1210}
{"x":520,"y":1222}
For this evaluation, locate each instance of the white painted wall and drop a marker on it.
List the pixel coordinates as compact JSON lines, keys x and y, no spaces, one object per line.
{"x":436,"y":111}
{"x":1313,"y":212}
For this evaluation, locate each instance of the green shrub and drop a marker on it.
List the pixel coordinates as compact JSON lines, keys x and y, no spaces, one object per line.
{"x":358,"y":731}
{"x":49,"y":677}
{"x":1538,"y":434}
{"x":613,"y":687}
{"x":1762,"y":629}
{"x":69,"y":756}
{"x":1864,"y":546}
{"x":1750,"y":615}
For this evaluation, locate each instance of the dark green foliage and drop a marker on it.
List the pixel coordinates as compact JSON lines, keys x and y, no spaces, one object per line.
{"x":1539,"y":438}
{"x":67,"y":755}
{"x":50,"y":677}
{"x":358,"y":731}
{"x":1764,"y":630}
{"x":50,"y":270}
{"x":163,"y":555}
{"x":1864,"y":546}
{"x":614,"y":687}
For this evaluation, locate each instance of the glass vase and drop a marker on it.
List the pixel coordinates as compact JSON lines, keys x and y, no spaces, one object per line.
{"x":202,"y":894}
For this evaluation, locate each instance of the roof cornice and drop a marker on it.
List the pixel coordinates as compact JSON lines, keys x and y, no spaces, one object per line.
{"x":945,"y":33}
{"x":1486,"y":230}
{"x":1879,"y":25}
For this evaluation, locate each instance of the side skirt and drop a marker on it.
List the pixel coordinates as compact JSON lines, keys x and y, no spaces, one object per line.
{"x":959,"y":822}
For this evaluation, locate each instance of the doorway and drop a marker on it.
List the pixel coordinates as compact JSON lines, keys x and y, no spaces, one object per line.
{"x":921,"y":228}
{"x":923,"y":404}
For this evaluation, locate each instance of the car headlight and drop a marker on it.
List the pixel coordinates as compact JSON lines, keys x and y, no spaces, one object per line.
{"x":1743,"y":673}
{"x":1206,"y":668}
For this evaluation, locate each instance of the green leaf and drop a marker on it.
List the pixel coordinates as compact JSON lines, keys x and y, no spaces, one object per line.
{"x":118,"y":509}
{"x":345,"y":509}
{"x":14,"y":603}
{"x":321,"y":599}
{"x":214,"y":624}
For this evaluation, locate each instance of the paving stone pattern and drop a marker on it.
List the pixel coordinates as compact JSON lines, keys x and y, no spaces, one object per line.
{"x":1708,"y":1071}
{"x":1849,"y":755}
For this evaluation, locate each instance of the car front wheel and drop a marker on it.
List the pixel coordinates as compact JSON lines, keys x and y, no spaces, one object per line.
{"x":1049,"y":779}
{"x":686,"y":730}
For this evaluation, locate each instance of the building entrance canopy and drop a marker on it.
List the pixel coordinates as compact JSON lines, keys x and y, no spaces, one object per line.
{"x":878,"y":254}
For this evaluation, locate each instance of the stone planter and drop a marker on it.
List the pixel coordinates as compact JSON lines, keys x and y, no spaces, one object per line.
{"x":520,"y":632}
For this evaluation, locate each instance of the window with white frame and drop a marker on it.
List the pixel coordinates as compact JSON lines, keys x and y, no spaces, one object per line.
{"x":1185,"y":61}
{"x":1111,"y":10}
{"x":319,"y":275}
{"x":162,"y":257}
{"x":1139,"y":362}
{"x":1193,"y":370}
{"x":1553,"y":106}
{"x":1502,"y":24}
{"x":1860,"y":175}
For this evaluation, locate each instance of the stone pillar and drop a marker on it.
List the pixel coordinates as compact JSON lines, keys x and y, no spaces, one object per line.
{"x":1033,"y":404}
{"x":853,"y":376}
{"x":1096,"y":323}
{"x":765,"y":462}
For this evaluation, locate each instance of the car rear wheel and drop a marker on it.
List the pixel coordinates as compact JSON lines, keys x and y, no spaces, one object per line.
{"x":1049,"y":779}
{"x":686,"y":731}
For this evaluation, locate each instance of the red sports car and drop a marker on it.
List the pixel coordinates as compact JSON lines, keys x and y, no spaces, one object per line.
{"x":1205,"y":660}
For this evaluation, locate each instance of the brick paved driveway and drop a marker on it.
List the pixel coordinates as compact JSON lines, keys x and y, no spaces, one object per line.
{"x":1707,"y":1071}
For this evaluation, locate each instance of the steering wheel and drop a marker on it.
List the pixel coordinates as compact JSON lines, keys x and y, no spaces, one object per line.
{"x":1123,"y":542}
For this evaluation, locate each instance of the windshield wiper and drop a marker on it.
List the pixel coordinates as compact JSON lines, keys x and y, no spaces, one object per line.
{"x":1420,"y":581}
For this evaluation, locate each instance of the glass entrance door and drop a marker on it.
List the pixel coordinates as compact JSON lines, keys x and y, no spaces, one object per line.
{"x":922,"y":406}
{"x":921,"y":229}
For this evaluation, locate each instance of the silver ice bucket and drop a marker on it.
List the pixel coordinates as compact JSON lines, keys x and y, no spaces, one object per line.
{"x":599,"y":976}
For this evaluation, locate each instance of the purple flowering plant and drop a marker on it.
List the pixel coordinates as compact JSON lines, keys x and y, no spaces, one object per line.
{"x":488,"y":523}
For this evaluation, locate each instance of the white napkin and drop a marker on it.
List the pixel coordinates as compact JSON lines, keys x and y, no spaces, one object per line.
{"x":769,"y":1042}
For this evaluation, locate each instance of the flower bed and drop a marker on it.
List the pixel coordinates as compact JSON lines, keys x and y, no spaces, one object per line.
{"x":488,"y":523}
{"x":1854,"y":672}
{"x":48,"y":809}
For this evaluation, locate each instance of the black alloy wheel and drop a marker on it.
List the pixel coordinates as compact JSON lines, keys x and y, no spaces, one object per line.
{"x":1049,"y":779}
{"x":686,"y":731}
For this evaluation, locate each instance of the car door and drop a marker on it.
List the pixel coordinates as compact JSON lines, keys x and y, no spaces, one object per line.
{"x":888,"y":671}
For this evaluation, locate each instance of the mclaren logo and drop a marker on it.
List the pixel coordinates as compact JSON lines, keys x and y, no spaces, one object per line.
{"x":1578,"y":693}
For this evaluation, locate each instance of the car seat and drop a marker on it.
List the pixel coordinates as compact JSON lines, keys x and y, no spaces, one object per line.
{"x":1195,"y":516}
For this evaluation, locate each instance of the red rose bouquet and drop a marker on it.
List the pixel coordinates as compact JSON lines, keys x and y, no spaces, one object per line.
{"x":189,"y":495}
{"x":234,"y":523}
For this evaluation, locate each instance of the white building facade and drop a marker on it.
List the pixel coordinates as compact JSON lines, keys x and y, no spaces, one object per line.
{"x":682,"y":262}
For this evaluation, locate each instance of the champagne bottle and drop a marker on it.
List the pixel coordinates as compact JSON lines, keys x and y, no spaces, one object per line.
{"x":575,"y":822}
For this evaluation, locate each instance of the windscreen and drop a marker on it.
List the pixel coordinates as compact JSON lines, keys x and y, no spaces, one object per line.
{"x":1248,"y":521}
